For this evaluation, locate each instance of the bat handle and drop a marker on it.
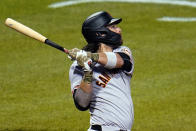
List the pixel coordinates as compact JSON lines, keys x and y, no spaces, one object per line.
{"x":51,"y":43}
{"x":66,"y":51}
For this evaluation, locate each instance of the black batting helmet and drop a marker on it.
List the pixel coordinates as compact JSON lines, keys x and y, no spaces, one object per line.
{"x":94,"y":29}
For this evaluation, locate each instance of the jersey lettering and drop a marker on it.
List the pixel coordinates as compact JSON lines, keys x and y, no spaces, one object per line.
{"x":105,"y":78}
{"x":100,"y":84}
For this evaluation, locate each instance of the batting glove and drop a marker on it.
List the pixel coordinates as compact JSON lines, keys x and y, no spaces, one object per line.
{"x":84,"y":62}
{"x":73,"y":53}
{"x":88,"y":77}
{"x":93,"y":56}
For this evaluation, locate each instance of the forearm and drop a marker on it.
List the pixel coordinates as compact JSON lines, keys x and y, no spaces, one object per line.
{"x":102,"y":59}
{"x":82,"y":99}
{"x":82,"y":95}
{"x":114,"y":60}
{"x":86,"y":87}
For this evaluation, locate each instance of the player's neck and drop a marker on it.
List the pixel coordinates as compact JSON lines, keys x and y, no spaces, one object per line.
{"x":104,"y":48}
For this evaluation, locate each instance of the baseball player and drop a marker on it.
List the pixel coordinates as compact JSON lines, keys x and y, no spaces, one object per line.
{"x":101,"y":73}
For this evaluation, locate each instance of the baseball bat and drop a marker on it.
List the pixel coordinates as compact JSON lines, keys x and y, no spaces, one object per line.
{"x":33,"y":34}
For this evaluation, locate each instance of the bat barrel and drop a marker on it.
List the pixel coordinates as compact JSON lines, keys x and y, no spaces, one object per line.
{"x":24,"y":29}
{"x":32,"y":33}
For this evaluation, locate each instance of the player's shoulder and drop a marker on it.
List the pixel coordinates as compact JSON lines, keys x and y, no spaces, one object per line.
{"x":126,"y":50}
{"x":123,"y":49}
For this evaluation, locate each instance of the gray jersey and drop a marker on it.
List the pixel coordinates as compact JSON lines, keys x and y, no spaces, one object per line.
{"x":111,"y":103}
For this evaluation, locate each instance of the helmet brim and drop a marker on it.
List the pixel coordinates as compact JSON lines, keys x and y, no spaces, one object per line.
{"x":115,"y":21}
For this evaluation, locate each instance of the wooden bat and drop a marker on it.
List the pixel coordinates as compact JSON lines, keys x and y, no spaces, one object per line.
{"x":33,"y":34}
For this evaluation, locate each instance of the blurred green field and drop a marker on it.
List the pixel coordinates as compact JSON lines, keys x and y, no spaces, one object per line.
{"x":34,"y":83}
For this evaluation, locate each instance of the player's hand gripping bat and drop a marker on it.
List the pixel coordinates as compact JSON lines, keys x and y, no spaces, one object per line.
{"x":33,"y":34}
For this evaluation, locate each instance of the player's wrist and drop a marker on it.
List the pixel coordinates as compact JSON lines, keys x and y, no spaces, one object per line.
{"x":94,"y":56}
{"x":87,"y":78}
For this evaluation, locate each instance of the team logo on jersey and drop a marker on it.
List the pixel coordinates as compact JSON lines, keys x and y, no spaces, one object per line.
{"x":126,"y":51}
{"x":105,"y":78}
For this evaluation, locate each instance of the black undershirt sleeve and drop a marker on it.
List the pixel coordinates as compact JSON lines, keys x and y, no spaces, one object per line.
{"x":127,"y":66}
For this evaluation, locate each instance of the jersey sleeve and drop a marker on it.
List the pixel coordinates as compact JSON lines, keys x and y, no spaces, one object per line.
{"x":75,"y":76}
{"x":127,"y":51}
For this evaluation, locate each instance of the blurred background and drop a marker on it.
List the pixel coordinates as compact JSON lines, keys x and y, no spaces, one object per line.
{"x":35,"y":90}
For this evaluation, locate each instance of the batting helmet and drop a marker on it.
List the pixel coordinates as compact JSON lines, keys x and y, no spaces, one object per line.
{"x":94,"y":29}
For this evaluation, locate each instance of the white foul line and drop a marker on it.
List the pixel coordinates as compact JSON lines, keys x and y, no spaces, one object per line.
{"x":177,"y":19}
{"x":171,"y":2}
